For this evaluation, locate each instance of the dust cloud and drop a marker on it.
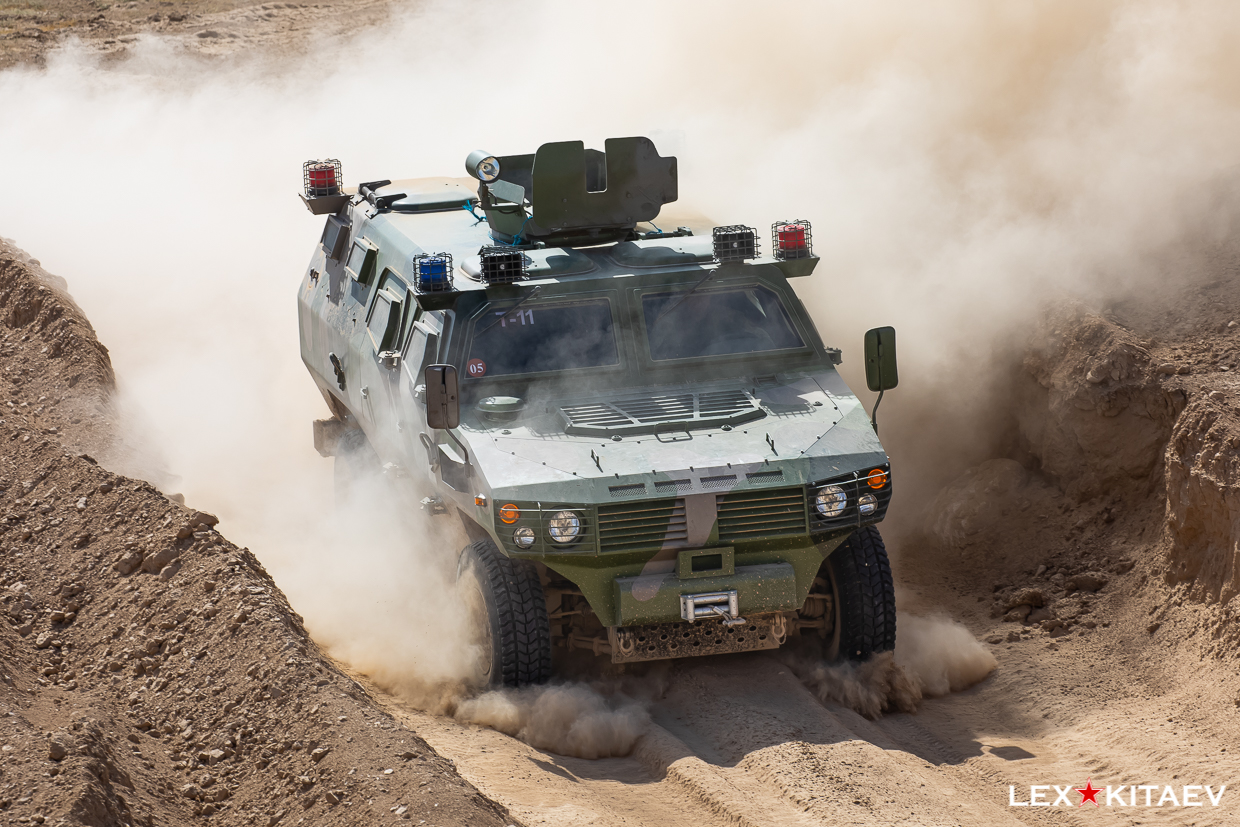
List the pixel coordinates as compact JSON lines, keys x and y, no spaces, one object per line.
{"x":933,"y":656}
{"x":960,"y":161}
{"x":570,"y":719}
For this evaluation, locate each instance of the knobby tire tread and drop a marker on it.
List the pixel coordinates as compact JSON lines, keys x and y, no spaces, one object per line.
{"x":524,"y":629}
{"x":866,"y":594}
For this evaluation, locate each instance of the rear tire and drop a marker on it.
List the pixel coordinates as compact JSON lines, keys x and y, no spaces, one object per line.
{"x":355,"y":461}
{"x":865,"y":599}
{"x":517,"y":633}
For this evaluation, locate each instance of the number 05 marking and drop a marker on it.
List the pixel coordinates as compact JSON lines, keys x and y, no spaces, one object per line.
{"x":476,"y":367}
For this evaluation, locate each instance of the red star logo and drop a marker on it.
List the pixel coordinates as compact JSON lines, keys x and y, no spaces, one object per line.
{"x":1088,"y":793}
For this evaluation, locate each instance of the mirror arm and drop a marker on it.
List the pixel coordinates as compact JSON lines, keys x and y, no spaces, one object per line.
{"x":874,"y":412}
{"x":459,"y":444}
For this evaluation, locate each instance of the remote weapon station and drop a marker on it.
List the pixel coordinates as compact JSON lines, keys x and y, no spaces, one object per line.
{"x":640,"y":428}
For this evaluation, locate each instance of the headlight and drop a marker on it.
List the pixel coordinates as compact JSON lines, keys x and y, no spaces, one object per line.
{"x":867,"y":504}
{"x":524,"y":536}
{"x":564,"y":527}
{"x":830,"y":501}
{"x":482,"y":165}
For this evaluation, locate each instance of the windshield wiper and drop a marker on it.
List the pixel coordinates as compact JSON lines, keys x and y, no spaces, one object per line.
{"x":506,"y":313}
{"x":686,"y":295}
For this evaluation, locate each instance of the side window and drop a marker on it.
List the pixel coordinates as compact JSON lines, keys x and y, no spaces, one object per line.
{"x":384,"y":321}
{"x":361,"y":269}
{"x":335,"y":234}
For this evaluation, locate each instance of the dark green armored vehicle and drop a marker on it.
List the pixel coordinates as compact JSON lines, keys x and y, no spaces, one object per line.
{"x":640,"y":428}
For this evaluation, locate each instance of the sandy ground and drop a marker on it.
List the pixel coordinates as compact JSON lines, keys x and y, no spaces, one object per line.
{"x":1096,"y":558}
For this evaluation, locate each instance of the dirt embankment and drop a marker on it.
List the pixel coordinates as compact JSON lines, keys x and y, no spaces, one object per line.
{"x":1126,"y":483}
{"x":150,"y":671}
{"x":29,"y":29}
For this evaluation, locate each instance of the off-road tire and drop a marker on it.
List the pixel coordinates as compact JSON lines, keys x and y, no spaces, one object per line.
{"x":865,"y":597}
{"x":517,"y":612}
{"x":354,"y":461}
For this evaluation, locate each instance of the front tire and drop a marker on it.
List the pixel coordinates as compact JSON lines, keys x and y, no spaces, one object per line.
{"x":514,"y":632}
{"x":865,"y":599}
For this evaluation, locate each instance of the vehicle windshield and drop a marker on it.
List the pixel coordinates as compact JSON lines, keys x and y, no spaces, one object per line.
{"x":717,"y":322}
{"x":542,"y":336}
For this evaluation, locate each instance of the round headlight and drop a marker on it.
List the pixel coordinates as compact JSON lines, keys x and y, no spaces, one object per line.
{"x":867,"y":504}
{"x":482,"y":165}
{"x":830,"y":501}
{"x":524,"y":537}
{"x":564,"y":527}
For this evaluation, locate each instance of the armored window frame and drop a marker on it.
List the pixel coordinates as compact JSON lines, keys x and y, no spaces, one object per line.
{"x":717,"y":285}
{"x":335,"y":234}
{"x":392,"y":327}
{"x":367,"y":266}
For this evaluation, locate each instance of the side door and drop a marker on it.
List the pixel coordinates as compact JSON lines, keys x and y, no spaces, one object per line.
{"x":358,"y":287}
{"x":378,"y":364}
{"x":422,"y":345}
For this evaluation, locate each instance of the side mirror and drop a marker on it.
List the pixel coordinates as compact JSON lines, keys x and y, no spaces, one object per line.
{"x":880,"y":359}
{"x":443,"y":400}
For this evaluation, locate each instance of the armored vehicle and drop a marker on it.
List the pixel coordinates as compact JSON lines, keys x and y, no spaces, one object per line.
{"x":640,"y":428}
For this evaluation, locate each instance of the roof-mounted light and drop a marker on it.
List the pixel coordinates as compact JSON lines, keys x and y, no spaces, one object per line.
{"x":432,"y":273}
{"x":735,"y":242}
{"x":321,"y":178}
{"x":482,"y":165}
{"x":791,"y":240}
{"x":501,"y":265}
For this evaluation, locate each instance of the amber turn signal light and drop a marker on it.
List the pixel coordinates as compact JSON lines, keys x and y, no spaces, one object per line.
{"x":877,"y":478}
{"x":509,"y":513}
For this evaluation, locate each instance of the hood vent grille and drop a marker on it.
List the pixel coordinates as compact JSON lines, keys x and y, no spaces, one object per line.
{"x":645,"y":415}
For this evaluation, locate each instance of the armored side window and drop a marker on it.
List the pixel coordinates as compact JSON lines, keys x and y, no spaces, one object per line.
{"x":384,"y":321}
{"x":361,"y":264}
{"x":335,"y":234}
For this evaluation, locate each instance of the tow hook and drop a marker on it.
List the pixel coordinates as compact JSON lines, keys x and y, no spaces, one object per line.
{"x":712,"y":604}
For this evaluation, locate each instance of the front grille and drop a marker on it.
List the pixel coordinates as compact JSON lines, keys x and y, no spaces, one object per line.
{"x":644,"y":414}
{"x":755,"y":515}
{"x":638,"y":525}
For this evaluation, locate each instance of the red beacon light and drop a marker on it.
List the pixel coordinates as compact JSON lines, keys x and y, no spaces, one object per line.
{"x":321,"y":185}
{"x":792,"y":240}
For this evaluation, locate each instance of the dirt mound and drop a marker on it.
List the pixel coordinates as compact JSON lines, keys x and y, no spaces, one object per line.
{"x":152,"y":671}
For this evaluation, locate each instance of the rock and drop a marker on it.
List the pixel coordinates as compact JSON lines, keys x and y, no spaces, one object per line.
{"x":1013,"y":636}
{"x":128,"y":562}
{"x":1086,"y":582}
{"x":1167,"y":368}
{"x":81,"y":504}
{"x":1039,"y":615}
{"x":202,"y":518}
{"x":1018,"y":613}
{"x":334,"y":796}
{"x":43,"y":641}
{"x":1123,"y":566}
{"x":105,"y":487}
{"x":1027,"y":597}
{"x":211,"y":757}
{"x":169,"y":571}
{"x":1041,"y":571}
{"x":159,"y":559}
{"x":56,"y":751}
{"x":183,"y":532}
{"x":275,"y":819}
{"x":994,"y":639}
{"x":319,"y":754}
{"x":1153,"y":627}
{"x":305,"y":781}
